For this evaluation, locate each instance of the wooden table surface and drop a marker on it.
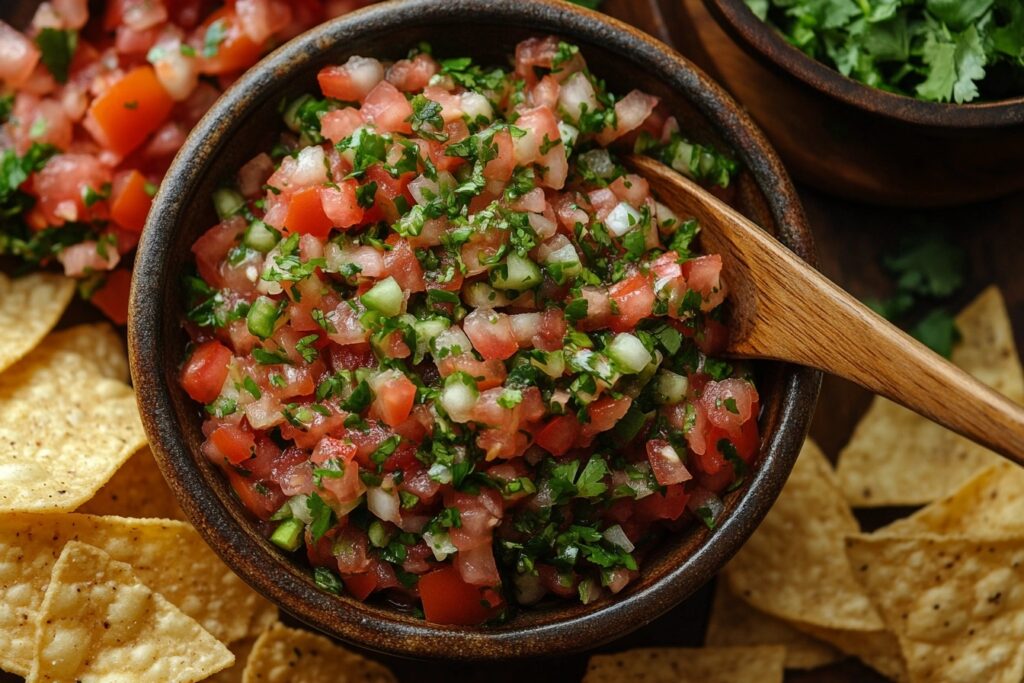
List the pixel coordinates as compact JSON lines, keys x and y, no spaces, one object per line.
{"x":850,"y":238}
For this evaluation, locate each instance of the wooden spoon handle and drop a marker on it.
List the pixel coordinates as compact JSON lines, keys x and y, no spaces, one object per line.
{"x":836,"y":333}
{"x":786,"y":310}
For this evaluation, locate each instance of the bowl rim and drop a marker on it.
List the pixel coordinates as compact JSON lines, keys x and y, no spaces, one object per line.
{"x":765,"y":41}
{"x":277,"y":577}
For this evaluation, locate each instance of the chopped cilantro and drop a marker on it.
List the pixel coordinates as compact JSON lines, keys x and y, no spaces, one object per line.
{"x":57,"y":49}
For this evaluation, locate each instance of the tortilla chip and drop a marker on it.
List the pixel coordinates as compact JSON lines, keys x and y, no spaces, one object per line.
{"x":163,"y":553}
{"x":29,"y":308}
{"x":793,"y":567}
{"x":759,"y":664}
{"x":896,"y":457}
{"x":99,"y":622}
{"x":734,"y":622}
{"x":287,"y":655}
{"x":100,"y":344}
{"x":137,"y":490}
{"x":65,"y":429}
{"x":957,"y":605}
{"x":989,"y":503}
{"x":878,"y":649}
{"x":233,"y":674}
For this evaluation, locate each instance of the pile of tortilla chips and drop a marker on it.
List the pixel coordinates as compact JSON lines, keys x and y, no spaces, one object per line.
{"x":936,"y":596}
{"x":100,"y":576}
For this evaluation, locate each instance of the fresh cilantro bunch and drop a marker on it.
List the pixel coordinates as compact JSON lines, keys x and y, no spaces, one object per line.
{"x":935,"y":50}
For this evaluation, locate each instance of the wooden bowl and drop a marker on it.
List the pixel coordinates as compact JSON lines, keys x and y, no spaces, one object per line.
{"x":246,"y":120}
{"x":845,"y":137}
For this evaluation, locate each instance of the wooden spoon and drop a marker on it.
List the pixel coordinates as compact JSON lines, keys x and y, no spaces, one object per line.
{"x":785,"y":310}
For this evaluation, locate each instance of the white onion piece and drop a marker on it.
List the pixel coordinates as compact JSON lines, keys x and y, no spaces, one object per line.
{"x":622,"y":219}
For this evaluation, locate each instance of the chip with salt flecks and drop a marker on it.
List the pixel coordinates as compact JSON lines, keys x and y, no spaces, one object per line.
{"x":956,"y":604}
{"x":990,"y":502}
{"x":97,"y":342}
{"x":734,"y":622}
{"x":98,"y":622}
{"x":29,"y":308}
{"x":896,"y":457}
{"x":756,"y":664}
{"x":794,"y":568}
{"x":234,"y":674}
{"x":137,"y":490}
{"x":65,"y":429}
{"x":287,"y":655}
{"x":166,"y":554}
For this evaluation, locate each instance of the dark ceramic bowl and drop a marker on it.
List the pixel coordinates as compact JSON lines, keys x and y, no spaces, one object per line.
{"x":246,"y":120}
{"x":845,"y":137}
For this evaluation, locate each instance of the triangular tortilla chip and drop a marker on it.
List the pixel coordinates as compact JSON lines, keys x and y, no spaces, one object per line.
{"x":137,"y":490}
{"x":760,"y":664}
{"x":288,"y":655}
{"x":989,"y":503}
{"x":734,"y":622}
{"x":241,"y":651}
{"x":896,"y":457}
{"x":166,"y":554}
{"x":98,"y":622}
{"x":29,"y":308}
{"x":65,"y":429}
{"x":99,"y":343}
{"x":957,"y":605}
{"x":793,"y":567}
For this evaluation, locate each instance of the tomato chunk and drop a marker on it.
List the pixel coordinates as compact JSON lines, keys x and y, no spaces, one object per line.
{"x":112,"y":297}
{"x":130,"y":202}
{"x":558,"y":435}
{"x":306,"y":214}
{"x":205,"y":371}
{"x":447,"y":599}
{"x":235,"y":444}
{"x":124,"y":116}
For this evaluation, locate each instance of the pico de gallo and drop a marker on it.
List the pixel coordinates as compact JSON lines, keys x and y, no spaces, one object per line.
{"x":93,"y":107}
{"x":450,"y":349}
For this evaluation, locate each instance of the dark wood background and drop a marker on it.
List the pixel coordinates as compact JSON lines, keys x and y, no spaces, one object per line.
{"x":850,"y":238}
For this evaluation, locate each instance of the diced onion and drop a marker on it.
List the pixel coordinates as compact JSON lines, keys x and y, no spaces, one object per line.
{"x":622,"y":219}
{"x":617,"y":537}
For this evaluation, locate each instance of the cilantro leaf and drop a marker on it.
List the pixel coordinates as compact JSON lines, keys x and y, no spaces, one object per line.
{"x":927,"y":265}
{"x":937,"y":331}
{"x":57,"y":49}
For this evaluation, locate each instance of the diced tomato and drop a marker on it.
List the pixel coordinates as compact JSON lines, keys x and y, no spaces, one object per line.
{"x":704,"y":275}
{"x":400,"y":262}
{"x":447,"y":599}
{"x":130,"y":201}
{"x":502,"y":165}
{"x":491,"y":334}
{"x":558,"y":435}
{"x":669,"y":505}
{"x":394,"y":395}
{"x":63,"y":183}
{"x":666,"y":463}
{"x":340,"y":205}
{"x":234,"y":443}
{"x":389,"y":189}
{"x":223,"y":45}
{"x":388,"y":109}
{"x":18,"y":56}
{"x":729,"y":403}
{"x":360,"y":586}
{"x":605,"y":413}
{"x":413,"y":75}
{"x":128,"y":111}
{"x":262,"y":499}
{"x":205,"y":371}
{"x":488,"y":374}
{"x":352,"y":81}
{"x":306,"y":214}
{"x":341,"y":123}
{"x":634,"y":301}
{"x":112,"y":297}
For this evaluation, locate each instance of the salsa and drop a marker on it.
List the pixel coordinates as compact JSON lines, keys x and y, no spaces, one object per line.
{"x":451,"y":350}
{"x":93,"y":107}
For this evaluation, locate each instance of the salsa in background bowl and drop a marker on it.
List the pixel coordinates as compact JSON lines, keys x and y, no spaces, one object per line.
{"x":251,"y":112}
